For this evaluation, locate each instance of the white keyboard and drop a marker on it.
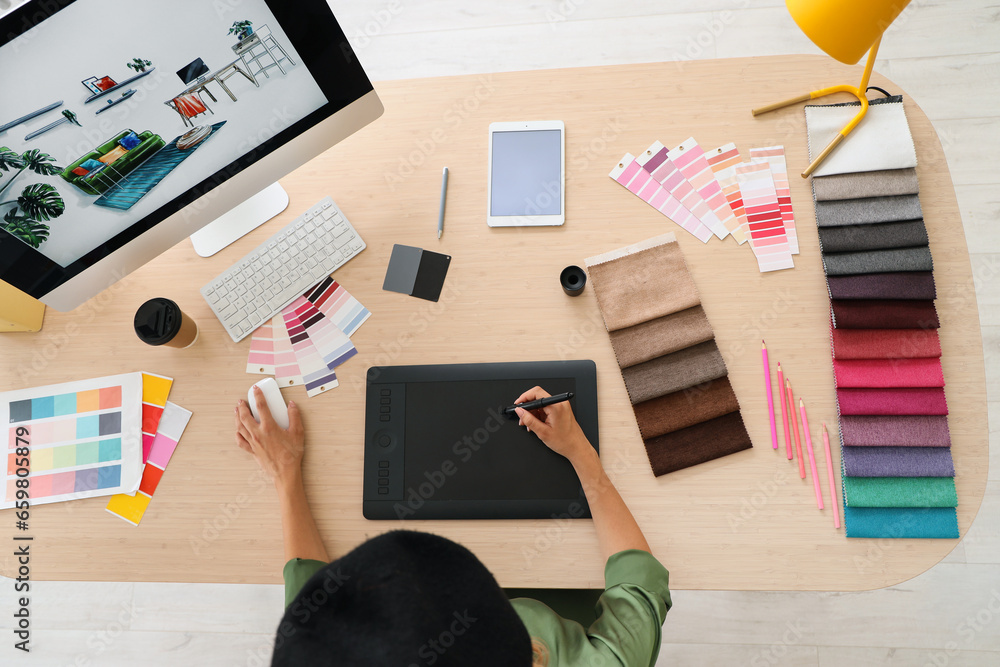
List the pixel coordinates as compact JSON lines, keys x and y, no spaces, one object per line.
{"x":282,"y":268}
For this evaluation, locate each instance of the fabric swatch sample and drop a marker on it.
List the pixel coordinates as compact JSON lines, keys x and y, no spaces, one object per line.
{"x":894,"y":431}
{"x":868,"y":210}
{"x":638,"y":181}
{"x":685,"y":408}
{"x":900,"y":492}
{"x":775,"y":157}
{"x":881,"y":140}
{"x":885,"y":343}
{"x":898,"y":401}
{"x":885,"y":183}
{"x":893,"y":285}
{"x":640,"y":283}
{"x":723,"y":161}
{"x":657,"y":161}
{"x":897,"y":462}
{"x":661,"y":336}
{"x":686,"y":368}
{"x":884,"y":314}
{"x":900,"y":522}
{"x":873,"y":373}
{"x":877,"y":236}
{"x":877,"y":261}
{"x":765,"y":227}
{"x":697,"y":444}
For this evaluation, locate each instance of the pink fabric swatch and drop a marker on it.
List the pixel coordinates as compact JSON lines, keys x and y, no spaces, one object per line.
{"x":874,"y":373}
{"x":895,"y":401}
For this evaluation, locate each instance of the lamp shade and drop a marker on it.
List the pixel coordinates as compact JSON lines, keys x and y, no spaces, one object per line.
{"x":845,"y":29}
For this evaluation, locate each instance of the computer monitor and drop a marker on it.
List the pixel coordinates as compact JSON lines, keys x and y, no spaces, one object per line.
{"x":81,"y":206}
{"x":192,"y":70}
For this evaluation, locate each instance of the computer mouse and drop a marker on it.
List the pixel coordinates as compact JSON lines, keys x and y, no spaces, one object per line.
{"x":275,"y":401}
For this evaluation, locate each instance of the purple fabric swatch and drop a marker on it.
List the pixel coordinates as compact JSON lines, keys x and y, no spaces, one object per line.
{"x":898,"y":431}
{"x":915,"y":285}
{"x":898,"y":462}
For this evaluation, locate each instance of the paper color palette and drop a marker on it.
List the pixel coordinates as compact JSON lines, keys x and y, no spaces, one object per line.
{"x":723,"y":161}
{"x":132,"y":507}
{"x":657,"y":162}
{"x":260,"y":361}
{"x":316,"y":375}
{"x":155,"y":389}
{"x":767,"y":232}
{"x":690,"y":159}
{"x":286,"y":366}
{"x":84,"y":438}
{"x":775,"y":156}
{"x":640,"y":182}
{"x":336,"y":303}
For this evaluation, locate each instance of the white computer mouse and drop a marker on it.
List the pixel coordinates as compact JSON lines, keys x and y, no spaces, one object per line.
{"x":275,"y":401}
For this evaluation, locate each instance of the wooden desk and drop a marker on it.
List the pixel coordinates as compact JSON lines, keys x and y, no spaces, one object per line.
{"x":742,"y":522}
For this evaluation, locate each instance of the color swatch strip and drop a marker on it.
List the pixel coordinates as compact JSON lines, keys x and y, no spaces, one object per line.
{"x":766,"y":229}
{"x":775,"y":158}
{"x":723,"y":161}
{"x":656,"y":160}
{"x":131,"y":508}
{"x":155,"y":390}
{"x":690,"y":159}
{"x":316,"y":375}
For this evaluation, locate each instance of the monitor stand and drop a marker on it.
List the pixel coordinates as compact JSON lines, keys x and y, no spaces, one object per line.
{"x":242,"y":220}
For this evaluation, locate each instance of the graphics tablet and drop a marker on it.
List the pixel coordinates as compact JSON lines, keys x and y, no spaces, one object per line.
{"x":437,"y":445}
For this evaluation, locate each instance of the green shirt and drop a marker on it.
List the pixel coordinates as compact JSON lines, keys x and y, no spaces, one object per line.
{"x":630,"y":614}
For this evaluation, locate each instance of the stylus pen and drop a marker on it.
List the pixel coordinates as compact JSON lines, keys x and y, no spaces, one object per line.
{"x":444,"y":192}
{"x":540,"y":403}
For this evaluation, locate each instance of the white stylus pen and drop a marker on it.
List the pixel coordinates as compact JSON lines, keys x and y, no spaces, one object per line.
{"x":444,"y":192}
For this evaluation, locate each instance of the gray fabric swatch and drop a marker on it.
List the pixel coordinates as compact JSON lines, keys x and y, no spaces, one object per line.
{"x":684,"y":369}
{"x":885,"y":183}
{"x":877,"y":261}
{"x":867,"y":210}
{"x":877,"y":236}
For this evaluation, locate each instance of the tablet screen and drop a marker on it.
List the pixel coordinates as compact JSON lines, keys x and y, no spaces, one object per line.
{"x":526,"y":173}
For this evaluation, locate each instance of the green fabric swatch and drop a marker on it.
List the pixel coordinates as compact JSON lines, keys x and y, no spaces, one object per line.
{"x":900,"y":491}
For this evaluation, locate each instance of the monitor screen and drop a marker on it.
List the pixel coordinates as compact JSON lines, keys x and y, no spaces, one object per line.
{"x":142,"y":152}
{"x":192,"y":70}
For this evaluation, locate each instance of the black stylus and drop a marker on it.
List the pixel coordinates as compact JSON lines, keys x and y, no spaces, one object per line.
{"x":540,"y":403}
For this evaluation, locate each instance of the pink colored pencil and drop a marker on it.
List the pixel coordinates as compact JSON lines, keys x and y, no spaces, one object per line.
{"x":770,"y":397}
{"x":795,"y":429}
{"x":812,"y":459}
{"x":833,"y":481}
{"x":784,"y":412}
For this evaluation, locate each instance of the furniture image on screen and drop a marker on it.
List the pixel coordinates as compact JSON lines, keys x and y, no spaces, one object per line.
{"x":189,"y":106}
{"x":119,"y":86}
{"x":261,"y":45}
{"x":119,"y":161}
{"x":219,"y":76}
{"x":127,"y":191}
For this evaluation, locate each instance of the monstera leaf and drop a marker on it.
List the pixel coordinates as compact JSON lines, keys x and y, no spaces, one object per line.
{"x":40,"y":163}
{"x":31,"y":232}
{"x":10,"y":160}
{"x":41,"y":201}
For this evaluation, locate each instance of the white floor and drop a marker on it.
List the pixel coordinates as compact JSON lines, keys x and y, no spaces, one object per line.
{"x":945,"y":54}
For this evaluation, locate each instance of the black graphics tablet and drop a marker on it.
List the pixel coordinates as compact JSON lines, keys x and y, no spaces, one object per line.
{"x":437,"y":445}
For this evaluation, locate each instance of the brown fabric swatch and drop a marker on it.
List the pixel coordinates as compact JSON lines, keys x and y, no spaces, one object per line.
{"x":895,"y":285}
{"x":685,"y":408}
{"x":663,"y":335}
{"x":643,"y":286}
{"x":697,"y":444}
{"x":885,"y":183}
{"x":664,"y":375}
{"x":884,"y":314}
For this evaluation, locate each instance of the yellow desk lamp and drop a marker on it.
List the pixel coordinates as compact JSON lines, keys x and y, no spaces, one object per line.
{"x":18,"y":311}
{"x":845,"y":29}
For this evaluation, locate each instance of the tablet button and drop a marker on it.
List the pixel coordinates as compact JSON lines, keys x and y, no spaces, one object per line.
{"x":384,"y":409}
{"x":384,"y":440}
{"x":383,"y":482}
{"x":383,"y":464}
{"x":383,"y":473}
{"x":383,"y":418}
{"x":382,"y":491}
{"x":386,"y":392}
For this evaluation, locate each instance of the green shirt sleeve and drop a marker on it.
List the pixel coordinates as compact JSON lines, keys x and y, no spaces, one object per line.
{"x":630,"y":615}
{"x":296,"y":573}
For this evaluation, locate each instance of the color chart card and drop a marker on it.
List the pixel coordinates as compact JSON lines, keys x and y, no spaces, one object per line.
{"x":155,"y":389}
{"x":775,"y":156}
{"x":336,"y":303}
{"x":723,"y":161}
{"x":172,"y":424}
{"x":767,"y":231}
{"x":84,"y":439}
{"x":690,"y":159}
{"x":657,"y":162}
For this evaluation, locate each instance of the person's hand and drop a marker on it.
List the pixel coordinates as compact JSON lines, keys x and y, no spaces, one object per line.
{"x":278,"y":451}
{"x":555,"y":425}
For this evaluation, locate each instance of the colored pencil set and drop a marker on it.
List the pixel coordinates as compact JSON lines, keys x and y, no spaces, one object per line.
{"x":790,"y":422}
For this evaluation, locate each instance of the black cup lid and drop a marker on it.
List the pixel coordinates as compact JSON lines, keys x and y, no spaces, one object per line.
{"x":157,"y":321}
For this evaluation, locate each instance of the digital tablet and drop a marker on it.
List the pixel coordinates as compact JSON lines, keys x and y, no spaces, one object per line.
{"x":527,"y":174}
{"x":437,"y":445}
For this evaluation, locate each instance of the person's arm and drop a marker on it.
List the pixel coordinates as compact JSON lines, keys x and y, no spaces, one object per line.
{"x":556,"y":426}
{"x":279,"y":453}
